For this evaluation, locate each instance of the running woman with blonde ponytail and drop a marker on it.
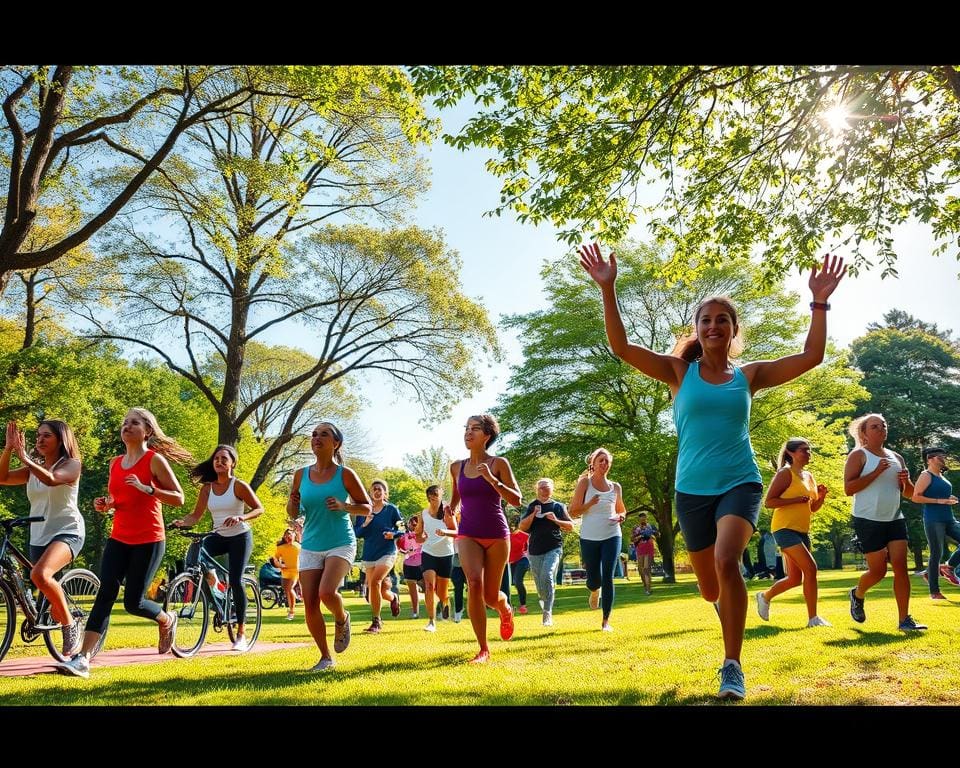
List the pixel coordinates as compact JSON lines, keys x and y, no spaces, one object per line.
{"x":140,"y":481}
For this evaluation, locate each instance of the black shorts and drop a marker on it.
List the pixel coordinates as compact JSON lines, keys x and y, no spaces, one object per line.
{"x":412,"y":572}
{"x":698,"y":515}
{"x":875,"y":535}
{"x":442,"y":565}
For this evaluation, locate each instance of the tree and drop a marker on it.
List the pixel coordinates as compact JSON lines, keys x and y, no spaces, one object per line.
{"x":64,"y":125}
{"x":431,"y":467}
{"x":746,"y":154}
{"x":571,"y":394}
{"x":241,"y":198}
{"x":910,"y":368}
{"x":278,"y":422}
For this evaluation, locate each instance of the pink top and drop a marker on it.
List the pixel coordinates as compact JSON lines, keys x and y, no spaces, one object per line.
{"x":409,"y":542}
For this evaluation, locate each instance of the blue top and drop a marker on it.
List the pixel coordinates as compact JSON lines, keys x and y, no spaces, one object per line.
{"x":375,"y":546}
{"x":939,"y":488}
{"x":323,"y":529}
{"x":713,"y":427}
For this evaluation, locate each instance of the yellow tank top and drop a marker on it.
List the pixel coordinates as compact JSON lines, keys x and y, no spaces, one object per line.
{"x":796,"y":517}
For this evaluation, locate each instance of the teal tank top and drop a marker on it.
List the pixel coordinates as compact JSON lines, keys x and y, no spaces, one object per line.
{"x":713,"y":427}
{"x":323,"y":529}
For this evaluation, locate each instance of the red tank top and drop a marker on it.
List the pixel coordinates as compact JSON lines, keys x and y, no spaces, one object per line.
{"x":138,"y":518}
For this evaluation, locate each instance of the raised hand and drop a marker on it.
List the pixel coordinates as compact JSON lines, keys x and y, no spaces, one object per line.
{"x":823,"y":282}
{"x":11,"y":434}
{"x":16,"y":441}
{"x":604,"y":273}
{"x":484,"y":471}
{"x":822,"y":491}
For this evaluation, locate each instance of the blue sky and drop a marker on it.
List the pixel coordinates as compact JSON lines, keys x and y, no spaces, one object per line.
{"x":501,"y":265}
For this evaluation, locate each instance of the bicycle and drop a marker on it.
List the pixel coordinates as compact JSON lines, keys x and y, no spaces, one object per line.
{"x":190,"y":596}
{"x":79,"y":585}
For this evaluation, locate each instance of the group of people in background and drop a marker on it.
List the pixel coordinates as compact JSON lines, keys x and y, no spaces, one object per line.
{"x":468,"y":542}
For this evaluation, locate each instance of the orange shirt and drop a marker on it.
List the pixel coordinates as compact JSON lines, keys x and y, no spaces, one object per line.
{"x":137,"y":518}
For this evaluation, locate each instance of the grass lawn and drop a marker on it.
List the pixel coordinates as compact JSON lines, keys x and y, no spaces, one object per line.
{"x":666,"y":649}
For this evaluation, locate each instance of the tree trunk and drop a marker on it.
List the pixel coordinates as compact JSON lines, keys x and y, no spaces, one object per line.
{"x":30,"y":323}
{"x":838,"y":554}
{"x":666,"y":541}
{"x":228,"y":431}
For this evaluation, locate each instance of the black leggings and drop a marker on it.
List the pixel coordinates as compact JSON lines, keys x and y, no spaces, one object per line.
{"x":459,"y":580}
{"x":137,"y":563}
{"x":237,"y":550}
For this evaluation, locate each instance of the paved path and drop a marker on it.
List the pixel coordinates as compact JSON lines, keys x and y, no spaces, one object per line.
{"x":39,"y":665}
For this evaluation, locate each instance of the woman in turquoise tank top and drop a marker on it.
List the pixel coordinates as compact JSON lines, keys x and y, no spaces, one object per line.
{"x":320,"y":492}
{"x":718,"y":482}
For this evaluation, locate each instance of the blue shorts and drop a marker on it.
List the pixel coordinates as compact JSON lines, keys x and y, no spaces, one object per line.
{"x":698,"y":515}
{"x":787,"y":537}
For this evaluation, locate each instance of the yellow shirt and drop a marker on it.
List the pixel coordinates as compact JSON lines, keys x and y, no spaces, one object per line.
{"x":796,"y":517}
{"x":289,"y":557}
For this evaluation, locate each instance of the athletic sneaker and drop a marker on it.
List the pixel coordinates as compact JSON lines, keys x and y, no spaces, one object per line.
{"x":78,"y":666}
{"x":71,"y":639}
{"x":323,"y":665}
{"x":817,"y":621}
{"x":291,"y":616}
{"x":523,"y":610}
{"x":763,"y":607}
{"x":168,"y":633}
{"x":948,"y":573}
{"x":606,"y":628}
{"x":241,"y":644}
{"x":431,"y":627}
{"x":909,"y":625}
{"x":481,"y":658}
{"x":457,"y":615}
{"x":375,"y":626}
{"x":732,"y":684}
{"x":395,"y":606}
{"x":341,"y":634}
{"x":856,"y":607}
{"x":445,"y":613}
{"x":937,"y":596}
{"x":506,"y":624}
{"x":547,"y":619}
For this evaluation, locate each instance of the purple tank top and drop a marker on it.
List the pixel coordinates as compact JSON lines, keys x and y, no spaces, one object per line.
{"x":481,"y":516}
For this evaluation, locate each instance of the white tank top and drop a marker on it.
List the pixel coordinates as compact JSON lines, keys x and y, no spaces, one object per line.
{"x":597,"y":525}
{"x":222,"y":507}
{"x":437,"y":546}
{"x":880,"y":500}
{"x":57,"y":504}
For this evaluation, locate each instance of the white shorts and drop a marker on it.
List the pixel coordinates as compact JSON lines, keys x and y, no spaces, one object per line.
{"x":311,"y":560}
{"x":387,"y":560}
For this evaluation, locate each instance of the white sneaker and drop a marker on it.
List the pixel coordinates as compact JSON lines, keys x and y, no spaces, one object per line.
{"x":606,"y":628}
{"x":457,"y":615}
{"x":431,"y":627}
{"x":78,"y":666}
{"x":816,"y":621}
{"x":241,"y":644}
{"x":763,"y":607}
{"x":547,"y":619}
{"x":323,"y":665}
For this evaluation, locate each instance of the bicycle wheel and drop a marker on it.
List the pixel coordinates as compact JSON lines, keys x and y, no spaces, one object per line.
{"x":188,"y":601}
{"x":8,"y":619}
{"x":269,"y":597}
{"x":251,"y":619}
{"x":80,"y":587}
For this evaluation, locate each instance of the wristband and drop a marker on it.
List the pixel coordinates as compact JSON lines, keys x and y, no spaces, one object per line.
{"x":819,"y":305}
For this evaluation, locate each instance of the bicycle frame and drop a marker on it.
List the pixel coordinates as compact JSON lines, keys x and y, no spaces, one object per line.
{"x":11,"y":558}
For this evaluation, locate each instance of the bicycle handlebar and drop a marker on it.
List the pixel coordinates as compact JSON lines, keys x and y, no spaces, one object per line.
{"x":17,"y":522}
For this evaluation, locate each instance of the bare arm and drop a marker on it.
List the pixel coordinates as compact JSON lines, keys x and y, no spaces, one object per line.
{"x":780,"y":483}
{"x":665,"y":368}
{"x":527,"y":520}
{"x":852,"y":481}
{"x":167,"y":487}
{"x":18,"y":476}
{"x":359,"y":501}
{"x":822,"y":491}
{"x":418,"y":531}
{"x":577,"y":505}
{"x":247,"y":495}
{"x":293,"y":501}
{"x":906,"y":484}
{"x":500,"y":476}
{"x":770,"y":373}
{"x":199,"y":508}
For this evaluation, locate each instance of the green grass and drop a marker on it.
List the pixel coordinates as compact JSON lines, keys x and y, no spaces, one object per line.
{"x":665,"y":650}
